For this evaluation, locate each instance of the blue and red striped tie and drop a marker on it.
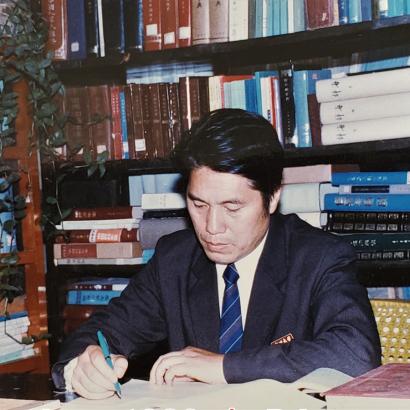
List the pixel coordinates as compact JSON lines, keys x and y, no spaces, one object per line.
{"x":231,"y":332}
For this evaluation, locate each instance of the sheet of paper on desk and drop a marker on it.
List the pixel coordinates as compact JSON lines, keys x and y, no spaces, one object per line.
{"x":256,"y":395}
{"x":14,"y":404}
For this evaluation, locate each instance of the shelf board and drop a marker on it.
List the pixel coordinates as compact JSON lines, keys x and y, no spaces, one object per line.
{"x":25,"y":365}
{"x":384,"y":273}
{"x":333,"y":41}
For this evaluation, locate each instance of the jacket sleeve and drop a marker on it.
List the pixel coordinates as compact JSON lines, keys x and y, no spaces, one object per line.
{"x":343,"y":332}
{"x":132,"y":323}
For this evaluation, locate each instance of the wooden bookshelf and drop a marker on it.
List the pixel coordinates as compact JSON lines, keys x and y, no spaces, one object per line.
{"x":32,"y":255}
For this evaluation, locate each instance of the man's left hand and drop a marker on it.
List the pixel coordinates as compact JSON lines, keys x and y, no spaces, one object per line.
{"x":192,"y":364}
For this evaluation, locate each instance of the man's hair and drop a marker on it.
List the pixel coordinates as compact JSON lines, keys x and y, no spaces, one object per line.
{"x":237,"y":142}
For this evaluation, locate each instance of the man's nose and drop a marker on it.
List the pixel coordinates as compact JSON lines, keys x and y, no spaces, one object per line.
{"x":215,"y":222}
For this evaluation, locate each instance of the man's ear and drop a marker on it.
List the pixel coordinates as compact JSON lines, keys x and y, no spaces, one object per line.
{"x":274,"y":201}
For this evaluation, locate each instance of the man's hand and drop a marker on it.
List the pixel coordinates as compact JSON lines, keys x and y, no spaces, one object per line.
{"x":93,"y":378}
{"x":190,"y":363}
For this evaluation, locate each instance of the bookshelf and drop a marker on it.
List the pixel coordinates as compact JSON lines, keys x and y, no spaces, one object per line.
{"x":31,"y":257}
{"x":308,"y":49}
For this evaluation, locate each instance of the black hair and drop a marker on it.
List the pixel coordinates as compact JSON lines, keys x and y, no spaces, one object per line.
{"x":234,"y":141}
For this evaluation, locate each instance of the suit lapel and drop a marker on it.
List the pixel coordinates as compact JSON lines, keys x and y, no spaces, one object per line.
{"x":204,"y":304}
{"x":266,"y":298}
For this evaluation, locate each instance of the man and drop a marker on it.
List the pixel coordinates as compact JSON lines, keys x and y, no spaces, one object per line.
{"x":296,"y":305}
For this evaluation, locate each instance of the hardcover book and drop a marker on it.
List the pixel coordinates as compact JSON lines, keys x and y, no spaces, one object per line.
{"x":117,"y":212}
{"x":76,"y":30}
{"x":169,"y":22}
{"x":219,"y":20}
{"x":200,"y":22}
{"x":97,"y":236}
{"x":152,"y":25}
{"x":184,"y":23}
{"x":97,"y":250}
{"x":133,"y":25}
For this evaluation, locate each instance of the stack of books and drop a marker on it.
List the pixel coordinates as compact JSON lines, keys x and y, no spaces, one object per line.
{"x":371,"y":210}
{"x":99,"y":236}
{"x":13,"y":329}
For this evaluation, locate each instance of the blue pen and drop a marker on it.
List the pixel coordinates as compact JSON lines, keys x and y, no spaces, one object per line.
{"x":107,"y":355}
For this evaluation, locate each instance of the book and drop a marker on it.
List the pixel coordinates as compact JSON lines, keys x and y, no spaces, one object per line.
{"x":377,"y":241}
{"x":97,"y":236}
{"x":124,"y":127}
{"x":388,"y":189}
{"x":100,"y":25}
{"x":380,"y":106}
{"x":364,"y":85}
{"x":184,"y":32}
{"x":98,"y":261}
{"x":385,"y":387}
{"x":115,"y":284}
{"x":97,"y":250}
{"x":320,"y":13}
{"x":133,"y":25}
{"x":169,"y":200}
{"x":238,"y":20}
{"x":315,"y":173}
{"x":366,"y":130}
{"x":169,"y":23}
{"x":287,"y":108}
{"x":125,"y":223}
{"x":218,"y":21}
{"x":152,"y":25}
{"x":105,"y":212}
{"x":304,"y":197}
{"x":371,"y":178}
{"x":154,"y":228}
{"x":91,"y":297}
{"x":91,"y":25}
{"x":367,"y":202}
{"x":113,"y":17}
{"x":55,"y":13}
{"x":200,"y":22}
{"x":116,"y":137}
{"x":76,"y":30}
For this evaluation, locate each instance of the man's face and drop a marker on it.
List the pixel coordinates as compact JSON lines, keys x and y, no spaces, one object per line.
{"x":227,"y":213}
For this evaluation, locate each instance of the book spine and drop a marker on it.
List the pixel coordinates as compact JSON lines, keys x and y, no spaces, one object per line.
{"x":238,"y":20}
{"x":283,"y":17}
{"x":98,"y":261}
{"x":169,"y":23}
{"x":117,"y":212}
{"x":388,"y":105}
{"x":97,"y":250}
{"x":375,"y":189}
{"x":371,"y":178}
{"x":166,"y":130}
{"x":300,"y":85}
{"x":130,"y":121}
{"x":364,"y":85}
{"x":200,"y":22}
{"x":378,"y":241}
{"x":98,"y":236}
{"x":355,"y":13}
{"x":287,"y":108}
{"x":156,"y":126}
{"x":92,"y":297}
{"x":147,"y":121}
{"x":92,"y":32}
{"x":124,"y":129}
{"x":367,"y":202}
{"x":133,"y":25}
{"x":184,"y":23}
{"x":366,"y":130}
{"x":138,"y":120}
{"x":152,"y":25}
{"x":101,"y":38}
{"x":252,"y":18}
{"x":168,"y":200}
{"x":366,"y":10}
{"x":100,"y":119}
{"x":116,"y":138}
{"x":174,"y":114}
{"x":113,"y":17}
{"x":219,"y":20}
{"x":77,"y":42}
{"x":383,"y":255}
{"x":55,"y":13}
{"x":343,"y":6}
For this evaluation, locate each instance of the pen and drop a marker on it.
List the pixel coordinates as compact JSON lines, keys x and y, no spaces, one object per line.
{"x":107,"y":355}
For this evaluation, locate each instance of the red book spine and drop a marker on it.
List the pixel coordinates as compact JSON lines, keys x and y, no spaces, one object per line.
{"x":152,"y":25}
{"x":155,"y":109}
{"x":118,"y":212}
{"x":138,"y":122}
{"x":55,"y":13}
{"x":146,"y":120}
{"x":174,"y":114}
{"x":184,"y":23}
{"x":166,"y":130}
{"x":183,"y":91}
{"x":84,"y":250}
{"x":98,"y":236}
{"x":130,"y":121}
{"x":97,"y":250}
{"x":169,"y":21}
{"x":116,"y":139}
{"x":319,"y":13}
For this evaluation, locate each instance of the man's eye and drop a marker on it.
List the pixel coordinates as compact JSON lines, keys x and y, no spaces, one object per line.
{"x":233,"y":210}
{"x":198,"y":204}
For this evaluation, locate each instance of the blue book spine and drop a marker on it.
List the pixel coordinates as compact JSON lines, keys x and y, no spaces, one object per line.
{"x":299,"y":15}
{"x":283,"y":17}
{"x":133,"y":25}
{"x":124,"y":131}
{"x":370,"y":178}
{"x":91,"y":297}
{"x":355,"y":12}
{"x":366,"y":7}
{"x":12,"y":316}
{"x":269,"y":17}
{"x":343,"y":6}
{"x":276,"y":17}
{"x":367,"y":202}
{"x":258,"y":18}
{"x":250,"y":95}
{"x":407,"y":6}
{"x":77,"y":41}
{"x":300,"y":92}
{"x":113,"y":24}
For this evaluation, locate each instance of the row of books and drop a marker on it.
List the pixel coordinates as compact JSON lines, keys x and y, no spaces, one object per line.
{"x":82,"y":28}
{"x":389,"y":292}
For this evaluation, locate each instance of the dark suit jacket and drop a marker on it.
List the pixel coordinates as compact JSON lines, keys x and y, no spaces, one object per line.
{"x":305,"y":284}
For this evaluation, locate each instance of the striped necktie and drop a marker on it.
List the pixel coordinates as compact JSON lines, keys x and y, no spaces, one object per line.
{"x":231,"y":332}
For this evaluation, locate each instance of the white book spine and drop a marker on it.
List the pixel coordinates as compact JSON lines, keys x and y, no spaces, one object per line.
{"x":363,"y":85}
{"x":98,"y":261}
{"x":392,"y":189}
{"x":170,"y":200}
{"x":357,"y":109}
{"x":238,"y":20}
{"x":367,"y":130}
{"x":101,"y":40}
{"x":291,"y":16}
{"x":128,"y":223}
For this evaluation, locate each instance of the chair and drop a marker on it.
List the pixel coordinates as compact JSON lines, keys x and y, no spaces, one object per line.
{"x":393,"y":324}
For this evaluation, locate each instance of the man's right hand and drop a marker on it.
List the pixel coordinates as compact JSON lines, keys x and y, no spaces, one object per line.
{"x":93,"y":378}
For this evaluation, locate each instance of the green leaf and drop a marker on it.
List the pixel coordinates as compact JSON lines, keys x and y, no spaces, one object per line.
{"x":66,"y":212}
{"x":51,"y":200}
{"x":91,"y":169}
{"x":11,"y":259}
{"x":9,"y":225}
